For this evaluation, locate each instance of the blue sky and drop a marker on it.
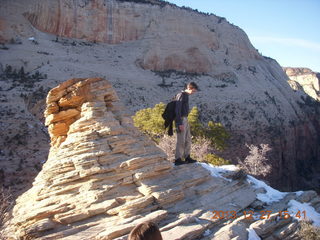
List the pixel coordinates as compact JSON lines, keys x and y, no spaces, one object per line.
{"x":286,"y":30}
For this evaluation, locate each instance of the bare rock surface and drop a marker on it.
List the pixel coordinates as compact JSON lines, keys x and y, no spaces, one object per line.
{"x":147,"y":50}
{"x":103,"y":177}
{"x":195,"y":44}
{"x":306,"y":80}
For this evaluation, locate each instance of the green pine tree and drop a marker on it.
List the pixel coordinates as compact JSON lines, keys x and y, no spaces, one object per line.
{"x":196,"y":127}
{"x":217,"y":135}
{"x":150,"y":122}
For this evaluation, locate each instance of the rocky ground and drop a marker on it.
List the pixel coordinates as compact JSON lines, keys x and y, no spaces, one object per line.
{"x":245,"y":91}
{"x":103,"y":177}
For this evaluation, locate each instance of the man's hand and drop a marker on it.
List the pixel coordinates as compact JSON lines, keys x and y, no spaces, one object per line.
{"x":181,"y":128}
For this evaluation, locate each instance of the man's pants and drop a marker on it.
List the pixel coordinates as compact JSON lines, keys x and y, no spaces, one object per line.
{"x":183,"y":140}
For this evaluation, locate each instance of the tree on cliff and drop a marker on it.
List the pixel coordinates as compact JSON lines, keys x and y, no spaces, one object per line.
{"x":150,"y":121}
{"x":206,"y":138}
{"x":256,"y":162}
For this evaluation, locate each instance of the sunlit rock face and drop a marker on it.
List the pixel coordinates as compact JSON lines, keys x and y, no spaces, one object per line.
{"x":306,"y":80}
{"x":177,"y":40}
{"x":99,"y":20}
{"x":103,"y":177}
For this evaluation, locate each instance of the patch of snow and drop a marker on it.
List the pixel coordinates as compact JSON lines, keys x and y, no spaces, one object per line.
{"x":216,"y":171}
{"x":271,"y":195}
{"x":210,"y":214}
{"x":252,"y":234}
{"x":233,"y":204}
{"x":305,"y":211}
{"x":206,"y":233}
{"x":31,"y":39}
{"x":230,"y":168}
{"x":256,"y":216}
{"x":299,"y":193}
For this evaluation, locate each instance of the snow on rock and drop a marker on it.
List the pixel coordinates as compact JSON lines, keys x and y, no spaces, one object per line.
{"x":271,"y":195}
{"x":302,"y":211}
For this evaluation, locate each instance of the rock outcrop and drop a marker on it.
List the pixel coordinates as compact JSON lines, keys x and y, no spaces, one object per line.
{"x":195,"y":46}
{"x":103,"y":177}
{"x":149,"y":50}
{"x":306,"y":80}
{"x":185,"y":42}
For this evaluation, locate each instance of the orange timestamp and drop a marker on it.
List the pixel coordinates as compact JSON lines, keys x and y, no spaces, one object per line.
{"x":265,"y":214}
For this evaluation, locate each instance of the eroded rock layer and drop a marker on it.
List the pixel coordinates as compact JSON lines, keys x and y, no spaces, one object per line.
{"x":103,"y":177}
{"x":304,"y":79}
{"x":194,"y":46}
{"x":101,"y":171}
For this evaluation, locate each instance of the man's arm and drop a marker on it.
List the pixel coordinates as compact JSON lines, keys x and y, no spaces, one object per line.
{"x":179,"y":99}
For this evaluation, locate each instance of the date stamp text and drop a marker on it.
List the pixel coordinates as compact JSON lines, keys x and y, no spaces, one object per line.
{"x":265,"y":214}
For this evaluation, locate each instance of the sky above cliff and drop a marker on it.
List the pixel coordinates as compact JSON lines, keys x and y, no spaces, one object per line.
{"x":286,"y":30}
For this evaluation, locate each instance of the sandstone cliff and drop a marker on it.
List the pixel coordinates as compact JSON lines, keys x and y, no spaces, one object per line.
{"x":306,"y":80}
{"x":103,"y":177}
{"x":194,"y":46}
{"x":149,"y":50}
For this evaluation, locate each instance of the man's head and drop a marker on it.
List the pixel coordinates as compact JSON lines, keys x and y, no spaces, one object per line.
{"x":192,"y":87}
{"x":145,"y":231}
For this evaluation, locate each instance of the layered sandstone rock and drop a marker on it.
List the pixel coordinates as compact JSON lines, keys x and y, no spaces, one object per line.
{"x":246,"y":92}
{"x":103,"y":177}
{"x":112,"y":23}
{"x":306,"y":80}
{"x":195,"y":46}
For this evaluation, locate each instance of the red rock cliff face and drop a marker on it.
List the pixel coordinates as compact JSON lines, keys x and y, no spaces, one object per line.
{"x":177,"y":40}
{"x":102,"y":21}
{"x":306,"y":80}
{"x":297,"y":166}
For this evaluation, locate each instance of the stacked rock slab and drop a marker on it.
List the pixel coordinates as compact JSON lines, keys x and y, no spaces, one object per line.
{"x":103,"y":176}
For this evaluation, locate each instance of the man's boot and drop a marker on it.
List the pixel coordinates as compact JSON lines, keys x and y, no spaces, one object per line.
{"x":190,"y":160}
{"x":178,"y":162}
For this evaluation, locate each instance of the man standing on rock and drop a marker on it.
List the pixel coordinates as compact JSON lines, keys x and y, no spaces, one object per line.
{"x":183,"y":146}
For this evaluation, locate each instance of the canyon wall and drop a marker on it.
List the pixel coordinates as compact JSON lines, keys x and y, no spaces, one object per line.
{"x":175,"y":40}
{"x":306,"y":80}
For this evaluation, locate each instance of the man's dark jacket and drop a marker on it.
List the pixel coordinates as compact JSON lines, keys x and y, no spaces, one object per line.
{"x":175,"y":110}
